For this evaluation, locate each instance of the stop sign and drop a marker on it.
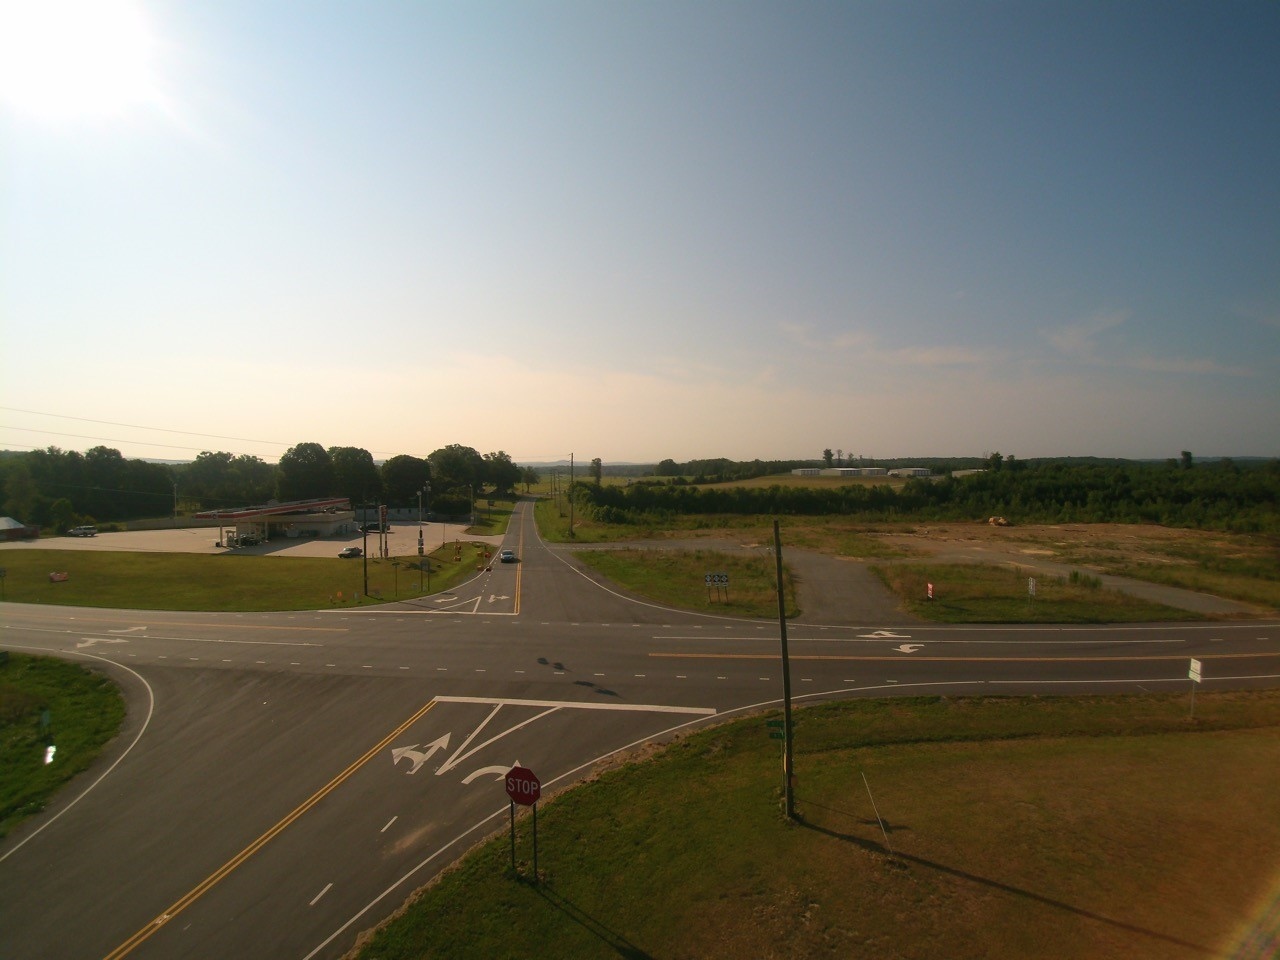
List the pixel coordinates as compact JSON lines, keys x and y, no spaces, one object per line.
{"x":523,"y":785}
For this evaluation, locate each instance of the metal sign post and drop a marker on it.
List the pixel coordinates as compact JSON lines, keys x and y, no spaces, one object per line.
{"x":1193,"y":674}
{"x":523,"y":787}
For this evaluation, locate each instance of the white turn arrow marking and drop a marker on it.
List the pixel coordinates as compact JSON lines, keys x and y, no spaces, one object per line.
{"x":908,"y":647}
{"x":498,"y":772}
{"x":416,"y":756}
{"x":90,"y":641}
{"x":883,"y":635}
{"x":130,"y":630}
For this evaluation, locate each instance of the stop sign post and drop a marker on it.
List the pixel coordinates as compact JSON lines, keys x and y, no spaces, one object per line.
{"x":524,"y":788}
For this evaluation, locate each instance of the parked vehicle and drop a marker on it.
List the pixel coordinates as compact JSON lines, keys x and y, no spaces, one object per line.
{"x":350,"y":552}
{"x":374,"y":527}
{"x":87,"y":531}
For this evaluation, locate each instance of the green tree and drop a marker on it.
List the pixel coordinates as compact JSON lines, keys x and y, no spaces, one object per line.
{"x":305,"y":473}
{"x":457,"y":466}
{"x":63,"y":515}
{"x":529,"y":476}
{"x":403,"y":476}
{"x":20,"y":491}
{"x":355,"y":475}
{"x":597,"y":470}
{"x":667,"y":468}
{"x":501,"y":472}
{"x":827,"y":456}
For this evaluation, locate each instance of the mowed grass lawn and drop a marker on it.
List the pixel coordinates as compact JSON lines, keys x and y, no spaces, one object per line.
{"x":1000,"y":827}
{"x":678,"y":578}
{"x":182,"y":581}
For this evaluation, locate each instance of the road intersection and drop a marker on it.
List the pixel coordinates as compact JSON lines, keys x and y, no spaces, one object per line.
{"x":284,"y":781}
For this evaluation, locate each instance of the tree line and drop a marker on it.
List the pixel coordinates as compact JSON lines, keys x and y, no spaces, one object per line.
{"x":54,"y":488}
{"x":1220,"y":495}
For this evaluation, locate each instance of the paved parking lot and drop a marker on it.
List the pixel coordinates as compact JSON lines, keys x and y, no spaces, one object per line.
{"x":403,"y":541}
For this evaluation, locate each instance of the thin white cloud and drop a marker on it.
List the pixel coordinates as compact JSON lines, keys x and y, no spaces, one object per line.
{"x":863,"y":346}
{"x":1080,"y":339}
{"x":1185,"y":365}
{"x":942,"y":356}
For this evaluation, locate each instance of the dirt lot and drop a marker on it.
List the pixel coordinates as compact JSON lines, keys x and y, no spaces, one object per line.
{"x":1201,"y":558}
{"x":1135,"y":543}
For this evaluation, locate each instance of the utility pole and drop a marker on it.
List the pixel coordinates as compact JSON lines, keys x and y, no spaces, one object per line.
{"x":570,"y":494}
{"x":364,"y":552}
{"x":787,"y":767}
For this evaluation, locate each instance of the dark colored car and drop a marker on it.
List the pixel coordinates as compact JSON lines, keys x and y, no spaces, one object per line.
{"x":507,"y":556}
{"x":350,"y":552}
{"x":373,"y":527}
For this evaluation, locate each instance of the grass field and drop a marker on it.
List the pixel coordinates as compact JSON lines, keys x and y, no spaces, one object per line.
{"x":941,"y":827}
{"x":678,"y":579}
{"x":972,"y":593}
{"x":47,"y":701}
{"x":181,"y":581}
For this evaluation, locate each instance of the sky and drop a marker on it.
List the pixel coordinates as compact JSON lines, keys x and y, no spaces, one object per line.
{"x":641,"y":230}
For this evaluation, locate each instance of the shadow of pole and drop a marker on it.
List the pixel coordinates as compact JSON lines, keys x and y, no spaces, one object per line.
{"x":872,"y":846}
{"x":616,"y":941}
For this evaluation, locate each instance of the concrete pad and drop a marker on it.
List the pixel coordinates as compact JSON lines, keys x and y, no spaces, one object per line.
{"x":402,"y":541}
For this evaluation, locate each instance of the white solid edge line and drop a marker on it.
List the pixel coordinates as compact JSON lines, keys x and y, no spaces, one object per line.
{"x":581,"y":705}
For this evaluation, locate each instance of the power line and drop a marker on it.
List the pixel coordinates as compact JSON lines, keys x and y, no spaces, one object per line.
{"x":136,"y":426}
{"x":147,"y":443}
{"x":81,"y":436}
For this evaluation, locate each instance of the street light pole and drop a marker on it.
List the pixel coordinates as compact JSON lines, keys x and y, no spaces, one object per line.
{"x":426,"y":489}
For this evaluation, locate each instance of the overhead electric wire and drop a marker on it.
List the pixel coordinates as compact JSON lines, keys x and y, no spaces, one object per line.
{"x":136,"y":426}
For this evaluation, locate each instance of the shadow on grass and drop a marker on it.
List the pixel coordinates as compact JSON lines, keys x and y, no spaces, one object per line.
{"x":872,"y":846}
{"x":615,"y":940}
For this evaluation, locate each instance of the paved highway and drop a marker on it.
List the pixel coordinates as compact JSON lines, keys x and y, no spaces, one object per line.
{"x":284,"y":781}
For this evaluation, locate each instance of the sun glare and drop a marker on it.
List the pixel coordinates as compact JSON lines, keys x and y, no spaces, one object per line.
{"x":63,"y":60}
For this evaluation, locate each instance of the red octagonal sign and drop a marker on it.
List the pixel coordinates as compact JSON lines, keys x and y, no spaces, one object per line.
{"x":523,"y":786}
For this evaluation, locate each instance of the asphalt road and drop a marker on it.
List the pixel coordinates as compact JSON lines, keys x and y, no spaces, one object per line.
{"x":284,"y":781}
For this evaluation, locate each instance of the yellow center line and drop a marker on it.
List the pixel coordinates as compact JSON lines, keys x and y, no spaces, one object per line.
{"x":209,"y":882}
{"x":519,"y":563}
{"x":906,"y":657}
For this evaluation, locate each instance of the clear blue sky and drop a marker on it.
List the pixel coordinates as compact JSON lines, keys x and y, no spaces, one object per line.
{"x":643,"y":230}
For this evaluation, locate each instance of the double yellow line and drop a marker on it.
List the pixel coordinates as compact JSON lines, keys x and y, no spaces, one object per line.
{"x":208,"y":883}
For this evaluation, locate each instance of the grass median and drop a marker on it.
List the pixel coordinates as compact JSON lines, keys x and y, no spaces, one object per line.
{"x":48,"y":702}
{"x":678,"y":578}
{"x":956,"y":827}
